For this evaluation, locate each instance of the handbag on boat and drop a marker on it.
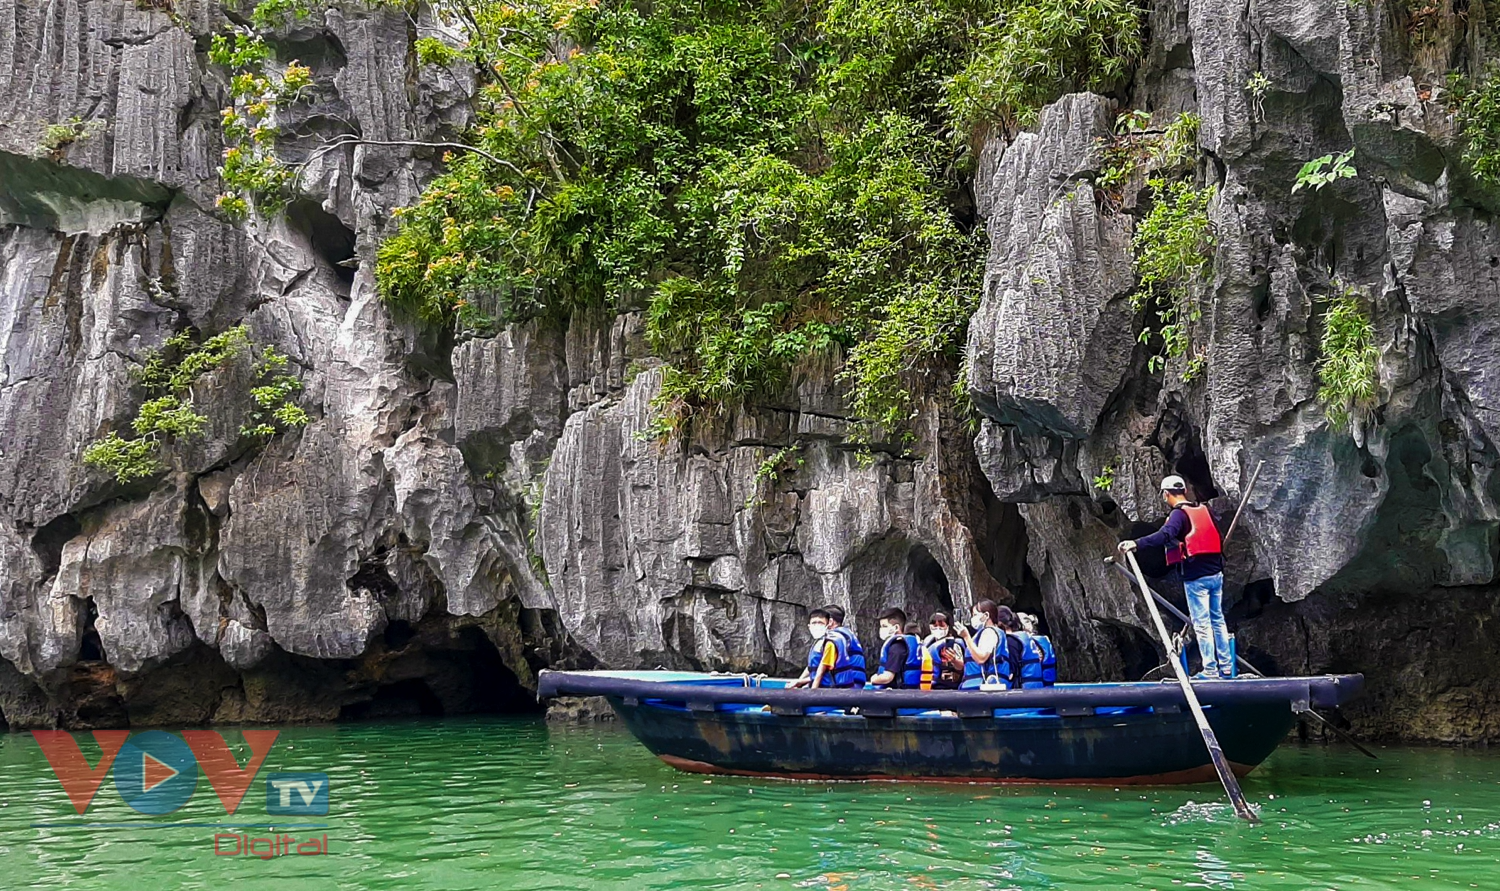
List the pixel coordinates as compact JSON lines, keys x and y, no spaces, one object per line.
{"x":991,"y":683}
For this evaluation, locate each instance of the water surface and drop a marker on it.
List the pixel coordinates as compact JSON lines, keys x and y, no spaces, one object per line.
{"x":515,"y":804}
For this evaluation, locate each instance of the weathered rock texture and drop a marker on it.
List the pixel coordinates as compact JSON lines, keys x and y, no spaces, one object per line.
{"x":458,"y":515}
{"x":1369,"y":548}
{"x":455,"y":516}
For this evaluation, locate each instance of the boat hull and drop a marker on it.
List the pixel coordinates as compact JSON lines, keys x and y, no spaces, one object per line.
{"x":1105,"y":733}
{"x":1143,"y":748}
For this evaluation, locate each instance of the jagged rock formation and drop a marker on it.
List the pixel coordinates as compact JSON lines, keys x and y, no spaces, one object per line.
{"x":1368,"y":549}
{"x":484,"y":504}
{"x":458,"y":515}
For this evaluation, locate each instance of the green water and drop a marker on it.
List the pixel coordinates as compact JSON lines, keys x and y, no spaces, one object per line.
{"x":511,"y":804}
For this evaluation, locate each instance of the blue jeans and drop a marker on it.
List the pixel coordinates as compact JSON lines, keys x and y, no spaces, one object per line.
{"x":1205,"y":600}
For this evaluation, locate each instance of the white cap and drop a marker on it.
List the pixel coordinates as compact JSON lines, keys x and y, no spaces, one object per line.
{"x":1173,"y":483}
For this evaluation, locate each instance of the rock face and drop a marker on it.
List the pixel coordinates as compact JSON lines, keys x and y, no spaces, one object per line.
{"x":457,"y":516}
{"x":1351,"y":532}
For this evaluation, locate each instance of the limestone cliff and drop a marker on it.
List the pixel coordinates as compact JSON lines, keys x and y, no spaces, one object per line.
{"x":459,"y":514}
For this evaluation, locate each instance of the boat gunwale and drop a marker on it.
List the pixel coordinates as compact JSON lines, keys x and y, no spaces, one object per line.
{"x":1322,"y":691}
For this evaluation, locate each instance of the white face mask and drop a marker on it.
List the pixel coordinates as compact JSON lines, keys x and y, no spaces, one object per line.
{"x":817,"y":631}
{"x":978,"y":621}
{"x":887,"y":632}
{"x":940,"y":632}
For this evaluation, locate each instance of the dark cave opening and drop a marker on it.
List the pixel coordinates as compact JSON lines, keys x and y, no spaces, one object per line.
{"x":48,"y":541}
{"x":398,"y":634}
{"x":90,"y":647}
{"x":926,"y":583}
{"x":1138,"y":652}
{"x":403,"y":699}
{"x":498,"y":690}
{"x":1254,"y":599}
{"x":439,"y":671}
{"x":329,"y":237}
{"x":1182,"y":446}
{"x":1003,"y":541}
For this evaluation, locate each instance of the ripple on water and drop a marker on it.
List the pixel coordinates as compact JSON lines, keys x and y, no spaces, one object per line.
{"x":498,"y":803}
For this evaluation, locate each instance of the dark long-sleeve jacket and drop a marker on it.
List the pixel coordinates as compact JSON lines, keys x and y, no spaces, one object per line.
{"x":1173,"y":532}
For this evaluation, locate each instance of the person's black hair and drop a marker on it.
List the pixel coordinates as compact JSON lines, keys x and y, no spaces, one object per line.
{"x":1005,"y":617}
{"x":894,"y":614}
{"x":835,"y":612}
{"x":818,"y":614}
{"x":988,"y":608}
{"x":912,"y":628}
{"x":938,"y":618}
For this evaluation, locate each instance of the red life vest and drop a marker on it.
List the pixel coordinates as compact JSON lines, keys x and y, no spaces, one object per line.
{"x":1202,"y":537}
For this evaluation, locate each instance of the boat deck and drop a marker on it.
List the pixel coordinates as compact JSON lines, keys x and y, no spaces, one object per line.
{"x":703,"y":692}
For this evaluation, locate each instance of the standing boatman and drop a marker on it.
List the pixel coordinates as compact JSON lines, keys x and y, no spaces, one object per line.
{"x":1193,"y":544}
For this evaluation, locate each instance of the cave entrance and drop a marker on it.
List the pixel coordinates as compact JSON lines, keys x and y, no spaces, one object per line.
{"x":1139,"y":655}
{"x":327,"y":235}
{"x":437,"y":671}
{"x":494,"y":689}
{"x":90,"y":646}
{"x":408,"y":698}
{"x":1003,"y":541}
{"x":926,"y":586}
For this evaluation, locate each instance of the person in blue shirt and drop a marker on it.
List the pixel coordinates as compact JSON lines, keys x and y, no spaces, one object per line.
{"x":1193,"y":544}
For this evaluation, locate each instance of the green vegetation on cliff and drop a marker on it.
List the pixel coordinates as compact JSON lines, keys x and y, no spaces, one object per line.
{"x":1173,"y":246}
{"x":1349,"y":367}
{"x":1477,"y":107}
{"x":773,"y":183}
{"x":175,"y":384}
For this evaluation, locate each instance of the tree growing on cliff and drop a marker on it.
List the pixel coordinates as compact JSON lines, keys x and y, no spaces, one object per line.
{"x":1476,"y":106}
{"x":773,"y":183}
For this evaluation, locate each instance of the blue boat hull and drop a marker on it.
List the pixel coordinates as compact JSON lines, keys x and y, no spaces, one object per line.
{"x":1073,"y":733}
{"x":1128,"y":748}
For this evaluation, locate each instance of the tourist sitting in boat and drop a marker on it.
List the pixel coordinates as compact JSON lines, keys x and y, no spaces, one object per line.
{"x":947,"y":653}
{"x":856,"y":651}
{"x":1025,"y":651}
{"x":1032,"y":626}
{"x":1014,"y":647}
{"x":834,"y":659}
{"x":904,"y":662}
{"x":987,"y":658}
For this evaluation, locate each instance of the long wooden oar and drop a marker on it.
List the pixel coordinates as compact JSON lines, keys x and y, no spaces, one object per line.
{"x":1221,"y":764}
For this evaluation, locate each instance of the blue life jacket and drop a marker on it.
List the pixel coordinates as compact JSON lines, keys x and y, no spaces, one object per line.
{"x":1049,"y":659}
{"x":997,"y":667}
{"x":848,"y":659}
{"x":815,"y":660}
{"x":920,"y":669}
{"x":918,"y":672}
{"x":854,"y":673}
{"x":1031,"y":661}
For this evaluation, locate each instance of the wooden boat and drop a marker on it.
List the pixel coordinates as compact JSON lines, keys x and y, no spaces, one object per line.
{"x":1101,"y":734}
